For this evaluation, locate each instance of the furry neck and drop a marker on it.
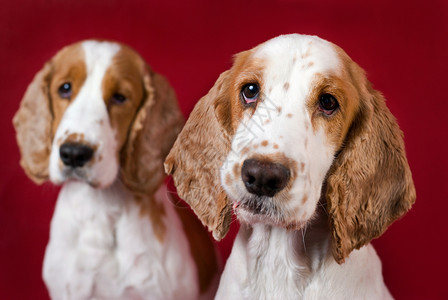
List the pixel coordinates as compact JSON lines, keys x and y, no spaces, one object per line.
{"x":288,"y":259}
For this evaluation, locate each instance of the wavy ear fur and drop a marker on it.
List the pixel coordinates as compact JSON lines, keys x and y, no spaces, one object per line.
{"x":151,"y":136}
{"x":33,"y":127}
{"x":197,"y":156}
{"x":370,"y":184}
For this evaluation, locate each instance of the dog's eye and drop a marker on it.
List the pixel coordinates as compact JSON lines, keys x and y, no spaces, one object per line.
{"x":65,"y":90}
{"x":118,"y":98}
{"x":250,"y":93}
{"x":328,"y":104}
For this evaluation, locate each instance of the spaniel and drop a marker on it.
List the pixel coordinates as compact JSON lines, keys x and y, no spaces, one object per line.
{"x":297,"y":143}
{"x":99,"y":121}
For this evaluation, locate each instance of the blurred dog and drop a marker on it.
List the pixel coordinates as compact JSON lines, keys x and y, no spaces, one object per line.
{"x":99,"y":121}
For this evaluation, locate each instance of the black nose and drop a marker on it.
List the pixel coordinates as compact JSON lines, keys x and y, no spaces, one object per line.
{"x":264,"y":178}
{"x":75,"y":155}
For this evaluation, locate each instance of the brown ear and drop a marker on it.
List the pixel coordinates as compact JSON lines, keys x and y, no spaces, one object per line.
{"x":197,"y":156}
{"x":33,"y":127}
{"x":370,"y":184}
{"x":151,"y":136}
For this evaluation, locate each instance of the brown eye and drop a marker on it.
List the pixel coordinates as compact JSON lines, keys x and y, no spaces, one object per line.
{"x":328,"y":104}
{"x":65,"y":90}
{"x":250,"y":93}
{"x":118,"y":98}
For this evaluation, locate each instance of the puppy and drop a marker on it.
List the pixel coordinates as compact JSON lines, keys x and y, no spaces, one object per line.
{"x":97,"y":120}
{"x":295,"y":140}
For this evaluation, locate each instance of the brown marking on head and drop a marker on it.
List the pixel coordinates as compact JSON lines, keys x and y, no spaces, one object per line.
{"x":68,"y":66}
{"x":264,"y":143}
{"x":275,"y":146}
{"x":336,"y":125}
{"x":286,"y":86}
{"x":289,"y":116}
{"x":307,"y":53}
{"x":279,"y":109}
{"x":124,"y":76}
{"x":304,"y":199}
{"x":245,"y":150}
{"x":236,"y":170}
{"x":228,"y":179}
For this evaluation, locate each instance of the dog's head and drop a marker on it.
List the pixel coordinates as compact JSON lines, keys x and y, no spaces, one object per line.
{"x":94,"y":111}
{"x":292,"y":123}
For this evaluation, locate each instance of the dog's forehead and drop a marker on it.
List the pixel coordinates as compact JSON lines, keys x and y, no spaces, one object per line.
{"x":98,"y":55}
{"x":294,"y":53}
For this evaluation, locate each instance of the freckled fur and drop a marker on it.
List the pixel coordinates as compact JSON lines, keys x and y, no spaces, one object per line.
{"x":302,"y":243}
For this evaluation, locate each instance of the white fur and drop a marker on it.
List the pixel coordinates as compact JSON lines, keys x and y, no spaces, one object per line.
{"x":101,"y":245}
{"x":102,"y":248}
{"x":268,"y":261}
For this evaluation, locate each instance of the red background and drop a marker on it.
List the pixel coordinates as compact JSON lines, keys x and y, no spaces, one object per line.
{"x":401,"y":44}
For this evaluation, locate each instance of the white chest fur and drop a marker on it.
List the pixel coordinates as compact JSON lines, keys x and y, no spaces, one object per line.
{"x":102,"y":247}
{"x":271,"y":263}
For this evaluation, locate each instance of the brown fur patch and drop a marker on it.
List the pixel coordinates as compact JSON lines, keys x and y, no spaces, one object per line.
{"x":68,"y":65}
{"x":156,"y":211}
{"x":286,"y":86}
{"x":370,"y":183}
{"x":304,"y":199}
{"x":289,"y":116}
{"x":245,"y":150}
{"x":201,"y":248}
{"x":337,"y":124}
{"x":236,"y":170}
{"x":228,"y":179}
{"x":124,"y":76}
{"x":264,"y":143}
{"x":275,"y":146}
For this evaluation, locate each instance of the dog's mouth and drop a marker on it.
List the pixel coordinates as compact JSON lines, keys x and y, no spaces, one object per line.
{"x":258,"y":209}
{"x":78,"y":174}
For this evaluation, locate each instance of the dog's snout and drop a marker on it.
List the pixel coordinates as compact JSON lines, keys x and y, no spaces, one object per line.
{"x":264,"y":178}
{"x":74,"y":154}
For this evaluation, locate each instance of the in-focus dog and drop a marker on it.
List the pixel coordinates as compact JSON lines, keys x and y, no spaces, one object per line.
{"x":295,"y":139}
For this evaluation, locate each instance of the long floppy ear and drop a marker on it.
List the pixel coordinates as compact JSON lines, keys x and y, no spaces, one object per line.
{"x":151,"y":136}
{"x":33,"y":127}
{"x":369,"y":185}
{"x":198,"y":155}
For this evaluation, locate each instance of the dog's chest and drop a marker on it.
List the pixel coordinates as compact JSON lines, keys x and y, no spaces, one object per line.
{"x":101,"y":245}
